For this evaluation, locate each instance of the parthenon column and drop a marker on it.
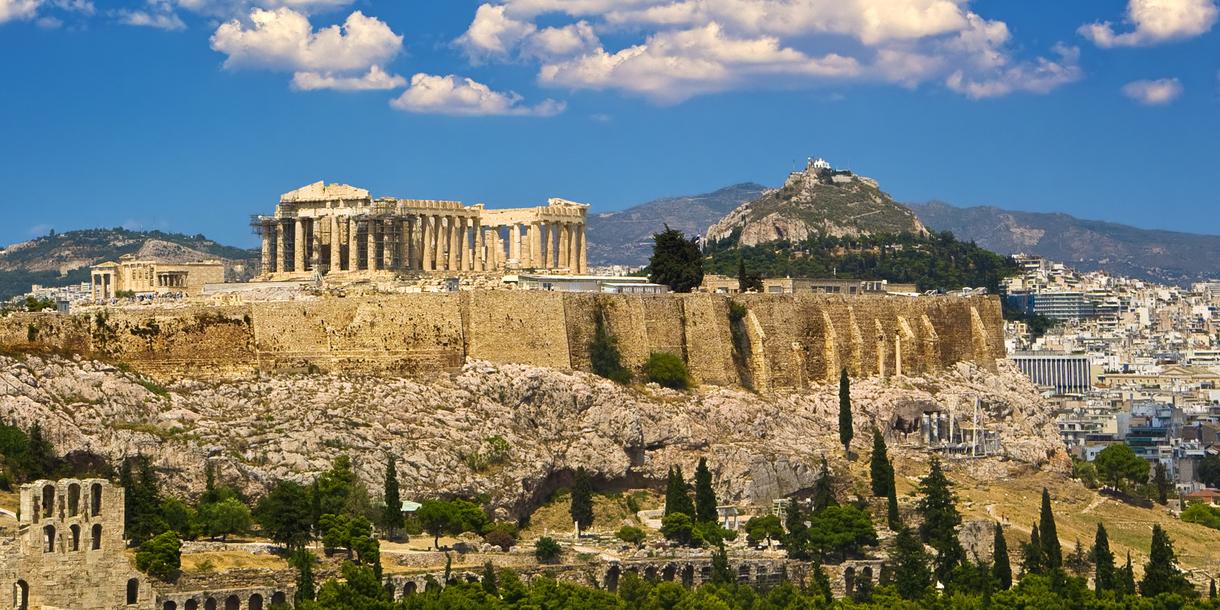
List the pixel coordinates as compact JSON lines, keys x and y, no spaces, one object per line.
{"x":496,"y":254}
{"x":411,"y":225}
{"x":564,"y":246}
{"x":279,"y":247}
{"x":477,"y":237}
{"x":334,"y":243}
{"x":389,"y":228}
{"x":353,"y":250}
{"x":535,"y":245}
{"x":370,"y":245}
{"x":315,"y":243}
{"x":514,"y":245}
{"x":426,"y":250}
{"x":468,"y":254}
{"x":404,"y":244}
{"x":583,"y":260}
{"x":544,"y":232}
{"x":298,"y":245}
{"x":441,"y":237}
{"x":451,"y":243}
{"x":265,"y":229}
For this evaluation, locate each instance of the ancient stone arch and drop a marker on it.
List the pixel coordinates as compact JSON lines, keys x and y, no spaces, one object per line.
{"x":48,"y":539}
{"x":232,"y":602}
{"x":669,"y":571}
{"x":650,"y":573}
{"x":133,"y":591}
{"x":74,"y":537}
{"x":743,"y":573}
{"x":73,"y":499}
{"x":169,"y":605}
{"x":407,"y":589}
{"x":96,"y":537}
{"x":688,"y":576}
{"x":849,"y":581}
{"x":95,"y":499}
{"x":611,"y":580}
{"x":21,"y":595}
{"x":255,"y":602}
{"x":209,"y":603}
{"x":48,"y":500}
{"x":279,"y":598}
{"x":191,"y":604}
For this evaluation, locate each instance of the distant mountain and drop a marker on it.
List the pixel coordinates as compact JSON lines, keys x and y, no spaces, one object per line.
{"x":1087,"y":245}
{"x":817,"y":201}
{"x":61,"y":259}
{"x":625,"y":238}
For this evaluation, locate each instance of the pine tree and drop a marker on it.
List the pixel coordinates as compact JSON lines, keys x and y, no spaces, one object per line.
{"x":892,"y":518}
{"x":880,"y":468}
{"x":1001,"y":569}
{"x":1031,"y":554}
{"x":676,"y":261}
{"x":1211,"y":590}
{"x":721,"y":574}
{"x":823,"y":489}
{"x":796,"y":539}
{"x":582,"y":501}
{"x":392,"y":514}
{"x":1160,"y":482}
{"x":489,"y":580}
{"x":40,"y":455}
{"x":912,"y":575}
{"x":677,"y":494}
{"x":845,"y":423}
{"x":1079,"y":562}
{"x":1052,"y":555}
{"x":1161,"y":573}
{"x":705,"y":496}
{"x":303,"y":560}
{"x":1126,"y":578}
{"x":1104,"y":577}
{"x":941,"y":519}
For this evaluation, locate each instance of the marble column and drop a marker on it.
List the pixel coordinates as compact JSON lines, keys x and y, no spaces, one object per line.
{"x":564,"y":246}
{"x":315,"y":244}
{"x":279,"y":247}
{"x":426,"y":251}
{"x":535,"y":235}
{"x":370,"y":245}
{"x":480,"y":264}
{"x":514,"y":245}
{"x":544,"y":233}
{"x":334,"y":243}
{"x":353,"y":250}
{"x":497,"y":249}
{"x":441,"y":237}
{"x":265,"y":229}
{"x":411,"y":228}
{"x":583,"y":260}
{"x":389,"y":243}
{"x":298,"y":245}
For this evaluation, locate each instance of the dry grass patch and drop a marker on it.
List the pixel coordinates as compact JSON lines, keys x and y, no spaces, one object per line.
{"x":223,"y":561}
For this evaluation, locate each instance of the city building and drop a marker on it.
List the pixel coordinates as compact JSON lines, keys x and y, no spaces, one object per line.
{"x":143,"y":277}
{"x":723,"y":284}
{"x":1066,"y":373}
{"x":331,"y":228}
{"x":611,"y":284}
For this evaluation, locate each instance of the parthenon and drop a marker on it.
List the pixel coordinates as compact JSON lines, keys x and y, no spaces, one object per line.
{"x":332,"y":228}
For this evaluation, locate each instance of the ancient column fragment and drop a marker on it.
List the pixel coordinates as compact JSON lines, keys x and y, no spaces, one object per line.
{"x":334,"y":243}
{"x":583,"y":261}
{"x":451,"y":243}
{"x":265,"y":260}
{"x":480,"y":264}
{"x":279,"y":247}
{"x":426,"y":250}
{"x":370,"y":244}
{"x":353,"y":249}
{"x":298,"y":245}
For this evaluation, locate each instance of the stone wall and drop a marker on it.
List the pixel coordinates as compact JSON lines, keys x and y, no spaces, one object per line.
{"x":793,"y":341}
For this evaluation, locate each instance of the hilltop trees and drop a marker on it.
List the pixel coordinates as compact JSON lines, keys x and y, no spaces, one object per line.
{"x":141,"y":500}
{"x":284,"y":514}
{"x":1118,"y":465}
{"x":450,"y":518}
{"x":676,"y":261}
{"x":845,"y":423}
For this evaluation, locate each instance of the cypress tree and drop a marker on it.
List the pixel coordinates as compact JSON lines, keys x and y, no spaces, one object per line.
{"x":941,"y":519}
{"x":1126,"y":578}
{"x":1160,"y":482}
{"x":1161,"y":573}
{"x":705,"y":496}
{"x":1211,"y":590}
{"x":1031,"y":554}
{"x":1104,"y":577}
{"x":677,"y":494}
{"x":721,"y":574}
{"x":40,"y":454}
{"x":823,"y":489}
{"x":821,"y":583}
{"x":845,"y":423}
{"x":880,"y":468}
{"x":911,"y":573}
{"x":1001,"y":569}
{"x":892,"y":518}
{"x":795,"y":541}
{"x":490,"y":586}
{"x":392,"y":513}
{"x":676,"y":261}
{"x":582,"y":501}
{"x":1052,"y":555}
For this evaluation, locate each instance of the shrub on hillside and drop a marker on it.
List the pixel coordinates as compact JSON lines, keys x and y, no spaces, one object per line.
{"x":668,"y":370}
{"x":161,"y":557}
{"x":547,"y":550}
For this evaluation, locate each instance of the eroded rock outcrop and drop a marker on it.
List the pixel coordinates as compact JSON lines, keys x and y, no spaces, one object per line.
{"x":270,"y":427}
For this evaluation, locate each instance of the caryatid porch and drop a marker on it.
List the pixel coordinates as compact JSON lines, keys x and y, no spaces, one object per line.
{"x":337,"y":228}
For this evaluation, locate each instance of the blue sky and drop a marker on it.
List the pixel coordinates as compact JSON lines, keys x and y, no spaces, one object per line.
{"x":191,"y":115}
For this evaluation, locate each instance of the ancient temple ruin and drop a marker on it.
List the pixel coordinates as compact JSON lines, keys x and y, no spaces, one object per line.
{"x":336,"y":228}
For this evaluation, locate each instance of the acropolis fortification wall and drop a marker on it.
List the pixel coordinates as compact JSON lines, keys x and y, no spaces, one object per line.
{"x":775,"y":342}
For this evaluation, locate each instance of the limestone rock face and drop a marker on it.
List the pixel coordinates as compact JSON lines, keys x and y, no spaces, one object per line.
{"x":262,"y":429}
{"x":817,"y":201}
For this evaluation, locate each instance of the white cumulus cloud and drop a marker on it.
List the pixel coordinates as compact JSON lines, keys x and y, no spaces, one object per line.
{"x":671,"y":50}
{"x":16,"y":10}
{"x":156,"y":14}
{"x":1156,"y":21}
{"x":458,"y":96}
{"x":1154,"y":92}
{"x":11,"y":10}
{"x":284,"y":39}
{"x":377,"y":79}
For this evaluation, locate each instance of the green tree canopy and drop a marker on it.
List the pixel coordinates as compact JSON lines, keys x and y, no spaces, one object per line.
{"x":581,"y":508}
{"x":1001,"y":568}
{"x":222,"y":519}
{"x":1104,"y":575}
{"x":1118,"y":465}
{"x":677,"y":493}
{"x":940,"y":520}
{"x":391,"y":514}
{"x":1052,"y":553}
{"x":881,"y":471}
{"x":1161,"y":573}
{"x":161,"y":556}
{"x":845,"y":421}
{"x":912,"y":575}
{"x":705,"y":497}
{"x":840,"y":531}
{"x":676,"y":261}
{"x":763,"y":527}
{"x":284,"y":514}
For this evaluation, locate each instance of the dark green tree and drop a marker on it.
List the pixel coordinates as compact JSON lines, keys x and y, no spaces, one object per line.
{"x":892,"y":518}
{"x":667,"y":370}
{"x":604,"y":356}
{"x":1209,"y":471}
{"x":676,"y":261}
{"x":391,"y":514}
{"x":1001,"y":568}
{"x":161,"y":556}
{"x":821,"y":584}
{"x":677,"y":494}
{"x":1080,"y":562}
{"x":224,"y":518}
{"x":1118,"y":465}
{"x":1104,"y":575}
{"x":840,"y":531}
{"x":141,"y":500}
{"x":581,"y":508}
{"x":912,"y":575}
{"x":338,"y":491}
{"x":1160,"y":483}
{"x":796,"y":541}
{"x":284,"y":514}
{"x":941,"y":519}
{"x":303,"y":561}
{"x":547,"y":550}
{"x":489,"y":580}
{"x":747,"y":281}
{"x":721,"y":573}
{"x":823,"y":488}
{"x":705,"y":497}
{"x":845,"y":423}
{"x":1052,"y":554}
{"x":1211,"y":589}
{"x":41,"y":460}
{"x":1031,"y":554}
{"x":1126,"y":578}
{"x":880,"y":469}
{"x":763,"y":527}
{"x":1161,"y":573}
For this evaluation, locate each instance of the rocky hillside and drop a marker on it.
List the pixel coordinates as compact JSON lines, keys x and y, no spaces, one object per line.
{"x":625,"y":238}
{"x":443,"y":428}
{"x":60,"y":259}
{"x":1087,"y":245}
{"x":817,"y":201}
